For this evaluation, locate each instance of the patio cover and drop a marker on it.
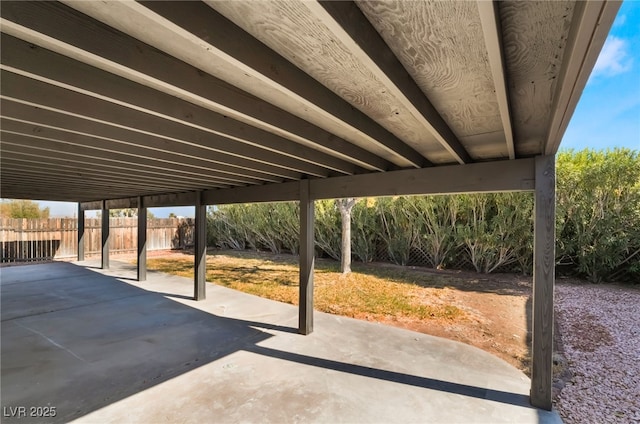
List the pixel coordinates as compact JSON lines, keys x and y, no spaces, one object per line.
{"x":145,"y":104}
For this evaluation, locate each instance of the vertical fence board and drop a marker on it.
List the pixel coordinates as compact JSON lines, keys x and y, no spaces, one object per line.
{"x":27,"y":240}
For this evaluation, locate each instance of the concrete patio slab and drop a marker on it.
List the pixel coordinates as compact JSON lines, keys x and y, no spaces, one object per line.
{"x":101,"y":347}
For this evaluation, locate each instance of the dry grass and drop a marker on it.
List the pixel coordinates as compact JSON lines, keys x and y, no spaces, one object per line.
{"x":369,"y":292}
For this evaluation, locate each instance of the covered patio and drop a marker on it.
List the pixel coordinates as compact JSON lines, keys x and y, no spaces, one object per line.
{"x":148,"y":104}
{"x":100,"y":346}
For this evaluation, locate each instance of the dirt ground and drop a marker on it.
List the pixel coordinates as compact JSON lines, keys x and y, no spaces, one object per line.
{"x":497,"y":308}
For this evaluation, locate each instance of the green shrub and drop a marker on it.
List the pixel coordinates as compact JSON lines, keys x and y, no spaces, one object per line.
{"x":327,"y":228}
{"x":397,"y":227}
{"x":364,"y":230}
{"x":598,"y":223}
{"x":598,"y":213}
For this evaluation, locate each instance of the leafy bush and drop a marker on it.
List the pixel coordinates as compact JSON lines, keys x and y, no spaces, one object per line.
{"x":364,"y":230}
{"x":397,"y":228}
{"x":598,"y":213}
{"x":327,"y":228}
{"x":598,"y":224}
{"x":437,"y":217}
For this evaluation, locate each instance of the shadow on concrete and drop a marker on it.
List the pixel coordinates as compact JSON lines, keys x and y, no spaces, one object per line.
{"x":87,"y":341}
{"x":395,"y":377}
{"x":92,"y":340}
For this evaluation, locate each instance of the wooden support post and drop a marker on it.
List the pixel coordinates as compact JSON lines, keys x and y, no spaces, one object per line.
{"x":105,"y":235}
{"x":80,"y":232}
{"x":543,"y":281}
{"x":200,"y":272}
{"x":307,"y":250}
{"x":142,"y":241}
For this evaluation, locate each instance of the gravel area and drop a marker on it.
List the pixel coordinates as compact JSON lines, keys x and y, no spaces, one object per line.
{"x":599,"y":329}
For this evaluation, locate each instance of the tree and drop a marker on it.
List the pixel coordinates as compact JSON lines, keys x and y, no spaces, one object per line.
{"x":23,"y":209}
{"x":345,"y":206}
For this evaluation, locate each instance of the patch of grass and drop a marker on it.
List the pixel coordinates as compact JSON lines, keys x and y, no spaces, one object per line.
{"x":368,"y":292}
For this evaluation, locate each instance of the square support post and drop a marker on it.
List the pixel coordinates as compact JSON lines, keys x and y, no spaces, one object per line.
{"x":105,"y":235}
{"x":142,"y":241}
{"x":80,"y":233}
{"x":200,"y":271}
{"x":307,"y":251}
{"x":544,"y":241}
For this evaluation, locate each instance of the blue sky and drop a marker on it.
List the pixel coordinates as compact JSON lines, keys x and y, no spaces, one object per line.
{"x":608,"y":114}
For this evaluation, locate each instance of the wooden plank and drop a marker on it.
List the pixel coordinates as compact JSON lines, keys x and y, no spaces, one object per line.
{"x":106,"y":236}
{"x":200,"y":272}
{"x":441,"y":46}
{"x":96,"y":44}
{"x":353,"y":29}
{"x":91,"y":206}
{"x":80,"y":232}
{"x":17,"y":152}
{"x":206,"y":39}
{"x":49,"y":178}
{"x":504,"y":176}
{"x":25,"y":59}
{"x":142,"y":240}
{"x":111,"y":120}
{"x":307,"y":253}
{"x":589,"y":30}
{"x":170,"y":199}
{"x":544,"y":242}
{"x":489,"y":16}
{"x":126,"y":203}
{"x":264,"y":193}
{"x":532,"y":34}
{"x":74,"y":147}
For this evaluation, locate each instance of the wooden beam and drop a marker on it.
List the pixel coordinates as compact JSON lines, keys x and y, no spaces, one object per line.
{"x":150,"y":201}
{"x":91,"y":206}
{"x":81,"y":176}
{"x":50,"y":177}
{"x":503,"y":176}
{"x":489,"y":17}
{"x":591,"y":23}
{"x":222,"y":151}
{"x":126,"y":203}
{"x":544,"y":262}
{"x":80,"y":232}
{"x":307,"y":254}
{"x":63,"y":30}
{"x":200,"y":272}
{"x":142,"y":240}
{"x":352,"y":28}
{"x":264,"y":193}
{"x":102,"y":151}
{"x":170,"y":199}
{"x":55,"y":69}
{"x":206,"y":39}
{"x":22,"y":149}
{"x":105,"y":235}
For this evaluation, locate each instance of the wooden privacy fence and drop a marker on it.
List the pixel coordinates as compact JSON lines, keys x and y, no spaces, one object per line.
{"x":26,"y":240}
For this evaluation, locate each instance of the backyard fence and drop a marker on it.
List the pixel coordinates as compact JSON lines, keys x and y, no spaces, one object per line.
{"x":27,"y":240}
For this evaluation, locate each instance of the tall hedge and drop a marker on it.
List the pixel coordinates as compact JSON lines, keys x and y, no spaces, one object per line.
{"x":598,"y":224}
{"x":598,"y":214}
